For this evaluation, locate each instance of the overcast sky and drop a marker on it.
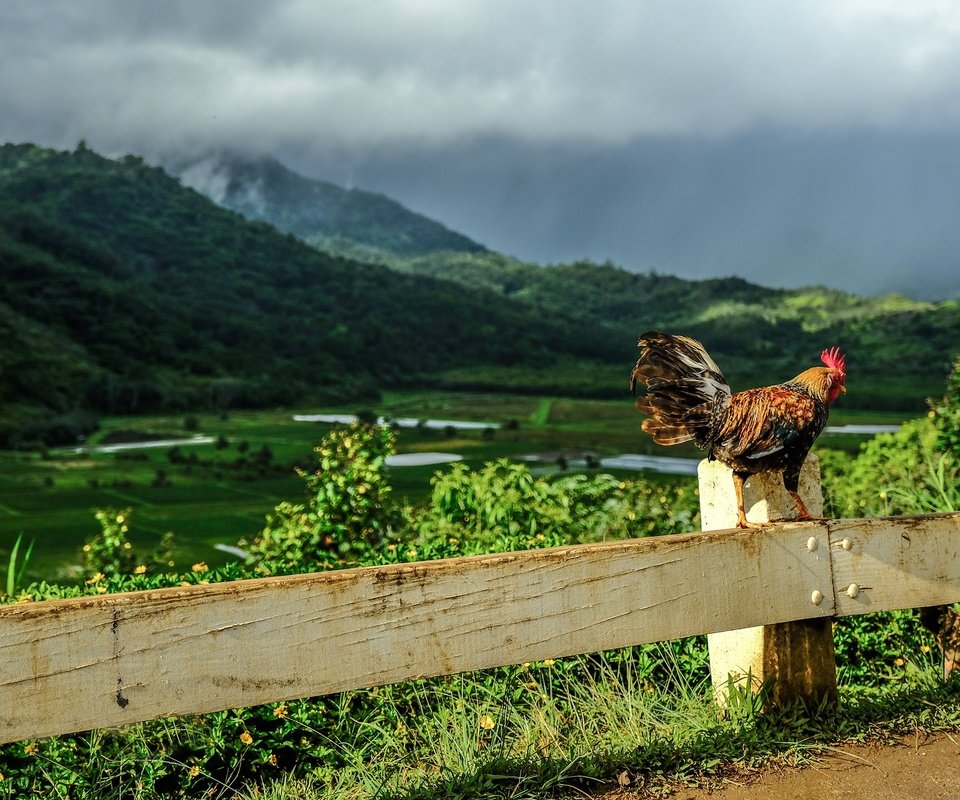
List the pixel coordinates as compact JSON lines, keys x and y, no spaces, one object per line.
{"x":361,"y":92}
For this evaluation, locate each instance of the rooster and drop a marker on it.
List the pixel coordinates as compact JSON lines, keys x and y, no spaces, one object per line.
{"x":770,"y":429}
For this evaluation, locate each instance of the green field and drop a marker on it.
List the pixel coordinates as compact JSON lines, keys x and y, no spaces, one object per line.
{"x":219,"y":493}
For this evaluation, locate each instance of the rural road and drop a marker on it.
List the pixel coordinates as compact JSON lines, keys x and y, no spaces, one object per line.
{"x":917,"y":768}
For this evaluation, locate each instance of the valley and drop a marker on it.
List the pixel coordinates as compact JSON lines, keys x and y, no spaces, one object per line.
{"x":231,"y":469}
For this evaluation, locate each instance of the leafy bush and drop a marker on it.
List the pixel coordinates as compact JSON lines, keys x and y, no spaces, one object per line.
{"x":503,"y":500}
{"x":110,"y":552}
{"x":349,"y":511}
{"x":889,"y":470}
{"x":947,"y":415}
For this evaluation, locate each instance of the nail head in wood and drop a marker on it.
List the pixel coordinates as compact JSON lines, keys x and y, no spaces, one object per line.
{"x":853,"y":590}
{"x":812,"y":543}
{"x":817,"y":597}
{"x":846,"y":544}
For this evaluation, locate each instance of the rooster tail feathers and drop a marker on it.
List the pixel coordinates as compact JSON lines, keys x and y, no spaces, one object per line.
{"x":685,"y":388}
{"x":664,"y":355}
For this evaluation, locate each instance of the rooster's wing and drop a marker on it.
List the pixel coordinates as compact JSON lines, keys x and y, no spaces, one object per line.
{"x":762,"y":422}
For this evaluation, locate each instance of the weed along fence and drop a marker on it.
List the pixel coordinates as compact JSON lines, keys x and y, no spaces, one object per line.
{"x":90,"y":662}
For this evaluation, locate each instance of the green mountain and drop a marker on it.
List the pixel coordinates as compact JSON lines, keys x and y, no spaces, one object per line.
{"x":898,"y":350}
{"x":124,"y":291}
{"x":348,"y":222}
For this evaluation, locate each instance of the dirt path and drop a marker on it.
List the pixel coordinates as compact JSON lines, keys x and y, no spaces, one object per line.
{"x":918,"y":768}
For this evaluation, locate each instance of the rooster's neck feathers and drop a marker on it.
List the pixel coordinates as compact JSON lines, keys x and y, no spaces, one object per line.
{"x":817,"y":381}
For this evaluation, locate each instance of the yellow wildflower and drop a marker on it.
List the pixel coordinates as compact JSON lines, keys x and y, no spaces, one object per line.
{"x":411,"y":553}
{"x":899,"y":662}
{"x":272,"y":761}
{"x":200,"y":566}
{"x":96,"y":579}
{"x":924,"y":648}
{"x":140,"y":569}
{"x":246,"y":738}
{"x":31,"y":749}
{"x":280,"y":711}
{"x":486,"y":722}
{"x":549,"y":662}
{"x":193,"y":771}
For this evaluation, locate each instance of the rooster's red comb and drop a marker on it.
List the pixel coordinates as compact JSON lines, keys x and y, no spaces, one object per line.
{"x":834,"y":359}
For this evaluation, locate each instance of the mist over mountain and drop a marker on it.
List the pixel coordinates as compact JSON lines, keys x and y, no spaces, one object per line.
{"x":323,"y":214}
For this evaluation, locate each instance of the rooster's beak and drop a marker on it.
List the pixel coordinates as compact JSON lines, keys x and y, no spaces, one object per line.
{"x":843,"y":389}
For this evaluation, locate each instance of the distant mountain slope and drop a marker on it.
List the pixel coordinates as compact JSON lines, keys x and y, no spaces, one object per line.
{"x":332,"y":218}
{"x":123,"y":291}
{"x":899,"y":349}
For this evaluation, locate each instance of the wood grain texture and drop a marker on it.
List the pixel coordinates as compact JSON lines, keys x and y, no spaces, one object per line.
{"x":100,"y":661}
{"x":895,"y":562}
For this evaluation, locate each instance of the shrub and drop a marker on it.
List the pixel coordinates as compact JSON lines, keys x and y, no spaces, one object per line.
{"x":947,"y":415}
{"x":349,"y":510}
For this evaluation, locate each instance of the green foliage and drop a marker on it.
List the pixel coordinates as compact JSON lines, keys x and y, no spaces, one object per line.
{"x":349,"y":511}
{"x":504,"y":501}
{"x":888,"y":467}
{"x":757,"y":335}
{"x":15,"y":573}
{"x":947,"y":415}
{"x":111,"y":554}
{"x":915,"y":470}
{"x":874,"y":649}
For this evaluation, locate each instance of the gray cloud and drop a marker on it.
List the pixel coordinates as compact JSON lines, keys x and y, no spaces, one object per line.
{"x":147,"y":74}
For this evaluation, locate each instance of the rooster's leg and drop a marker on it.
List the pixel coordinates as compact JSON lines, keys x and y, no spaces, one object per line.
{"x":791,"y":481}
{"x":738,"y":478}
{"x":802,"y":513}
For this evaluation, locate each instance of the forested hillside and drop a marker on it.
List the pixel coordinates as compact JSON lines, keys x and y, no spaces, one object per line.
{"x":899,"y":350}
{"x":123,"y":291}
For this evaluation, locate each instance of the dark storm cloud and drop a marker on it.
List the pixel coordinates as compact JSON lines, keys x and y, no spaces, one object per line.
{"x":146,"y":74}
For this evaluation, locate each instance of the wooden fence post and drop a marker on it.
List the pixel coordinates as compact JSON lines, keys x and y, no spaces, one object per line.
{"x":796,"y":658}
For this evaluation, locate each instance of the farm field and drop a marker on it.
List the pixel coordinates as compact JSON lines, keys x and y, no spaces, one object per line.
{"x":220,"y":491}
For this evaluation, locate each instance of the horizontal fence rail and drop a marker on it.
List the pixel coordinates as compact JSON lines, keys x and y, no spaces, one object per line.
{"x":72,"y":665}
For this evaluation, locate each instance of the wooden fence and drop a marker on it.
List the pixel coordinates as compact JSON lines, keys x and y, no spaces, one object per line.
{"x":90,"y":662}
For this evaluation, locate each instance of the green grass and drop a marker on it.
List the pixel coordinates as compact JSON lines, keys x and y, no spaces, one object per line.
{"x":577,"y":727}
